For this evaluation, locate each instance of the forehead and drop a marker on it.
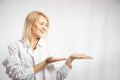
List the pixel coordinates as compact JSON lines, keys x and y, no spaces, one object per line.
{"x":42,"y":19}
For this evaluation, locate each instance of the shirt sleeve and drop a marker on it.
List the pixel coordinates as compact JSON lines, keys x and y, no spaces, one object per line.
{"x":15,"y":68}
{"x":62,"y":72}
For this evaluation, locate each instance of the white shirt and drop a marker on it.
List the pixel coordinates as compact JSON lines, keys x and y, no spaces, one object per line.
{"x":21,"y":60}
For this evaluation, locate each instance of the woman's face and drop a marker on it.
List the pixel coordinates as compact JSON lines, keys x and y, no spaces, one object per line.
{"x":40,"y":27}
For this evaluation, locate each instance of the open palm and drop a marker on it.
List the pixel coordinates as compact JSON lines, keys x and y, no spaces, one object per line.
{"x":79,"y":56}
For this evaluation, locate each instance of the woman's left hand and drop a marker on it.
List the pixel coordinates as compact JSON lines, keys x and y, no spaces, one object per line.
{"x":76,"y":56}
{"x":79,"y":56}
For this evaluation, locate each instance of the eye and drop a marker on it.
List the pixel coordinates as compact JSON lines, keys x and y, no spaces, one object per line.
{"x":41,"y":23}
{"x":46,"y":24}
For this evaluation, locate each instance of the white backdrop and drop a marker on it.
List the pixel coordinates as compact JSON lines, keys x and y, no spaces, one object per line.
{"x":89,"y":26}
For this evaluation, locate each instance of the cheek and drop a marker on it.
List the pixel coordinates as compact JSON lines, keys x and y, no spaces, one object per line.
{"x":36,"y":27}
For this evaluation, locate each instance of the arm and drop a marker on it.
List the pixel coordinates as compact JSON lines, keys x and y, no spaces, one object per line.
{"x":40,"y":66}
{"x":14,"y":66}
{"x":64,"y":70}
{"x":46,"y":62}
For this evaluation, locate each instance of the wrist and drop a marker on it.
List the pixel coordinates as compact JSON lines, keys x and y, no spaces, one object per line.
{"x":69,"y":62}
{"x":70,"y":59}
{"x":46,"y":62}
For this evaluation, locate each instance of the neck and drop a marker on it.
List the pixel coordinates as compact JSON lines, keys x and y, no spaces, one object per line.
{"x":33,"y":42}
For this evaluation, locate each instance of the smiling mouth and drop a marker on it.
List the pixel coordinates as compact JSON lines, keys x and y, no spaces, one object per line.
{"x":42,"y":31}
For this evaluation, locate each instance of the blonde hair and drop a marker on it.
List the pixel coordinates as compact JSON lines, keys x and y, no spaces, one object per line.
{"x":31,"y":18}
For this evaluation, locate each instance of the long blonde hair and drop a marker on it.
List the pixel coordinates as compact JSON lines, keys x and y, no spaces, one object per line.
{"x":31,"y":18}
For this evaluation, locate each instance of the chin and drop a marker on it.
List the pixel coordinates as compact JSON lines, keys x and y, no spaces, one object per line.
{"x":41,"y":36}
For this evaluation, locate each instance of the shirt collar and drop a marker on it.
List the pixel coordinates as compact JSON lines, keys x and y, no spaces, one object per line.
{"x":41,"y":42}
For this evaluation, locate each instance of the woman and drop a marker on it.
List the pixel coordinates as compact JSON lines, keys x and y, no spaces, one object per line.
{"x":30,"y":57}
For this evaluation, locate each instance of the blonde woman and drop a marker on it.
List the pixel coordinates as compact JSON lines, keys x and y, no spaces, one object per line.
{"x":30,"y":58}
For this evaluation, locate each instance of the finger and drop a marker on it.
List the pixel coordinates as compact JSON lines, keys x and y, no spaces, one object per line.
{"x":89,"y":57}
{"x":83,"y":56}
{"x":59,"y":59}
{"x":63,"y":59}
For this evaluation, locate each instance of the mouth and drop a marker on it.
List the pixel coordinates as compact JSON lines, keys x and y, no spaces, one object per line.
{"x":42,"y":31}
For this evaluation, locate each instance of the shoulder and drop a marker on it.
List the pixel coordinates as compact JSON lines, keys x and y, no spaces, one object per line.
{"x":13,"y":47}
{"x":14,"y":44}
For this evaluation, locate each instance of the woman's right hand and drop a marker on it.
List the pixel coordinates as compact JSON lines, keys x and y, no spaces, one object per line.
{"x":44,"y":63}
{"x":54,"y":59}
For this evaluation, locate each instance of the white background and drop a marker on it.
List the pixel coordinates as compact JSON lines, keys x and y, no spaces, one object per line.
{"x":89,"y":26}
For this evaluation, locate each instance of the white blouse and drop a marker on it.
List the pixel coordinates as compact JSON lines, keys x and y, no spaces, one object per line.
{"x":21,"y":60}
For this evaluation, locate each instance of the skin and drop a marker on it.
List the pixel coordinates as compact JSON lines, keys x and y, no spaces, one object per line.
{"x":39,"y":30}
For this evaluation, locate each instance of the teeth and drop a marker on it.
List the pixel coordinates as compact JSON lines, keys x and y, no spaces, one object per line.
{"x":41,"y":31}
